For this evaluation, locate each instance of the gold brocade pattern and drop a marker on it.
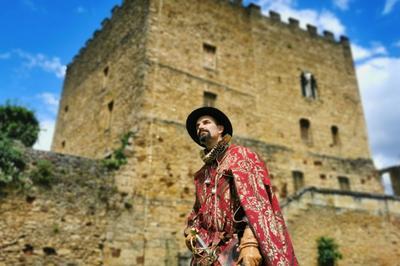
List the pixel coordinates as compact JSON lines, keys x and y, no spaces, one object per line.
{"x":236,"y":179}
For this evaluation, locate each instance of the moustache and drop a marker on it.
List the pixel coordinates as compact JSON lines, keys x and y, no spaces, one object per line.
{"x":201,"y":131}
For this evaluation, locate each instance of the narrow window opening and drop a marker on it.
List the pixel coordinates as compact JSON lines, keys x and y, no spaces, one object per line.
{"x":298,"y":180}
{"x":283,"y":193}
{"x":335,"y":135}
{"x":209,"y":99}
{"x":63,"y":144}
{"x":344,"y":183}
{"x":305,"y":130}
{"x":210,"y":59}
{"x":110,"y":107}
{"x":105,"y":71}
{"x":66,"y":108}
{"x":308,"y":85}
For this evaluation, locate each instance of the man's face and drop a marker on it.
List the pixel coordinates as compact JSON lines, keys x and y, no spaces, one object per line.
{"x":208,"y":131}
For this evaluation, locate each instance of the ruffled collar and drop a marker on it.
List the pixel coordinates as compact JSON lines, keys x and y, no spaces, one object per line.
{"x":210,"y":156}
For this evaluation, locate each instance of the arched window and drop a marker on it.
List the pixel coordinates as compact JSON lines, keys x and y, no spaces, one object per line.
{"x":210,"y":59}
{"x":305,"y":131}
{"x":335,"y":135}
{"x":308,"y":85}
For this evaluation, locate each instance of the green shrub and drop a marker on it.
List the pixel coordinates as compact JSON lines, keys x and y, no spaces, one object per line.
{"x":328,"y":252}
{"x":19,"y":123}
{"x":43,"y":173}
{"x":11,"y":162}
{"x":118,"y":158}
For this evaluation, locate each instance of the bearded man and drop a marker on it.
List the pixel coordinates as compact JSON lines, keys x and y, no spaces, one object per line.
{"x":236,"y":219}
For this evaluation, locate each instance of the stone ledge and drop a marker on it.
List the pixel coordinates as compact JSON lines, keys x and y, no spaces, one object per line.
{"x":339,"y":199}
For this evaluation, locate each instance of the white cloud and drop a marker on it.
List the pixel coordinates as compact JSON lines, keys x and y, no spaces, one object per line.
{"x":5,"y":56}
{"x":30,"y":4}
{"x":397,"y":44}
{"x":34,"y":5}
{"x":389,"y":4}
{"x":341,"y":4}
{"x":50,"y":100}
{"x":80,"y":10}
{"x":360,"y":53}
{"x":328,"y":21}
{"x":45,"y":135}
{"x":52,"y":65}
{"x":380,"y":90}
{"x":323,"y":20}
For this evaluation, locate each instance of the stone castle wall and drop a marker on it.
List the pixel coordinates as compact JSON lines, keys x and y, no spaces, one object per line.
{"x":65,"y":224}
{"x":257,"y":82}
{"x":154,"y":55}
{"x":103,"y":88}
{"x":83,"y":220}
{"x":160,"y":63}
{"x":365,"y":226}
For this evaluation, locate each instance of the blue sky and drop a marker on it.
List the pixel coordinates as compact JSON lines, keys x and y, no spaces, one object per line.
{"x":39,"y":37}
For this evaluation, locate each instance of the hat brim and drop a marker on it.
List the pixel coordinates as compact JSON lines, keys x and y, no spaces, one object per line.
{"x":221,"y":118}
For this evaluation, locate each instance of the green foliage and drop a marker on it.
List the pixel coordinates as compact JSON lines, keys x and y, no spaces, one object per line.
{"x":11,"y":162}
{"x":56,"y":229}
{"x":328,"y":252}
{"x":43,"y":173}
{"x":17,"y":122}
{"x":118,"y":158}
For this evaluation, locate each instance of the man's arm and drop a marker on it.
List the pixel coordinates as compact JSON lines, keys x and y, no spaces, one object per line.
{"x":192,"y":224}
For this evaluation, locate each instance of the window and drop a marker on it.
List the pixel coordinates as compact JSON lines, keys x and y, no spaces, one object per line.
{"x":209,"y":99}
{"x":210,"y":60}
{"x":66,"y":108}
{"x":305,"y":130}
{"x":110,"y":107}
{"x":298,"y":180}
{"x":105,"y":71}
{"x":335,"y":135}
{"x":344,"y":183}
{"x":63,"y":144}
{"x":308,"y":85}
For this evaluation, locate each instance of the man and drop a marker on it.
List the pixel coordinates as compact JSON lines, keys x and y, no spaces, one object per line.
{"x":235,"y":209}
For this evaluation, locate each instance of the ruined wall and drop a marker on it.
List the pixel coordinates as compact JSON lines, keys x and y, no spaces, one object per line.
{"x":366,"y":227}
{"x":62,"y":224}
{"x":82,"y":220}
{"x":102,"y":92}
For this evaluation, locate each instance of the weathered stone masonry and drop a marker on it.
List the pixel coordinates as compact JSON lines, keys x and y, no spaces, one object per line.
{"x":154,"y":61}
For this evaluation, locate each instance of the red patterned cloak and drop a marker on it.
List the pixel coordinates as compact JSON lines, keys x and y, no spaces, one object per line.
{"x":217,"y":203}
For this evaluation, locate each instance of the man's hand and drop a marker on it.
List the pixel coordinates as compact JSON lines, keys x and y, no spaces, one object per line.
{"x":249,"y":253}
{"x":190,"y":239}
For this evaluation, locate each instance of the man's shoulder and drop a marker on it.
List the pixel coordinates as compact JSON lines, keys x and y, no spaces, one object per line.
{"x":239,"y":148}
{"x":244,"y":153}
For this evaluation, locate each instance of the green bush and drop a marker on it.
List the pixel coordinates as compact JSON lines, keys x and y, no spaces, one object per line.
{"x":17,"y":122}
{"x":328,"y":252}
{"x":43,"y":173}
{"x":11,"y":162}
{"x":118,"y":158}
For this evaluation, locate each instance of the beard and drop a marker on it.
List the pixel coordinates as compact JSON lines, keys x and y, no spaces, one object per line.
{"x":204,"y":136}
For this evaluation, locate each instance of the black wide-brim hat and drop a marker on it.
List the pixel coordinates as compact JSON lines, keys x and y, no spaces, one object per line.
{"x":219,"y":116}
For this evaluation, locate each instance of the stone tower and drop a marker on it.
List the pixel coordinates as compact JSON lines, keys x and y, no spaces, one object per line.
{"x":291,"y":94}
